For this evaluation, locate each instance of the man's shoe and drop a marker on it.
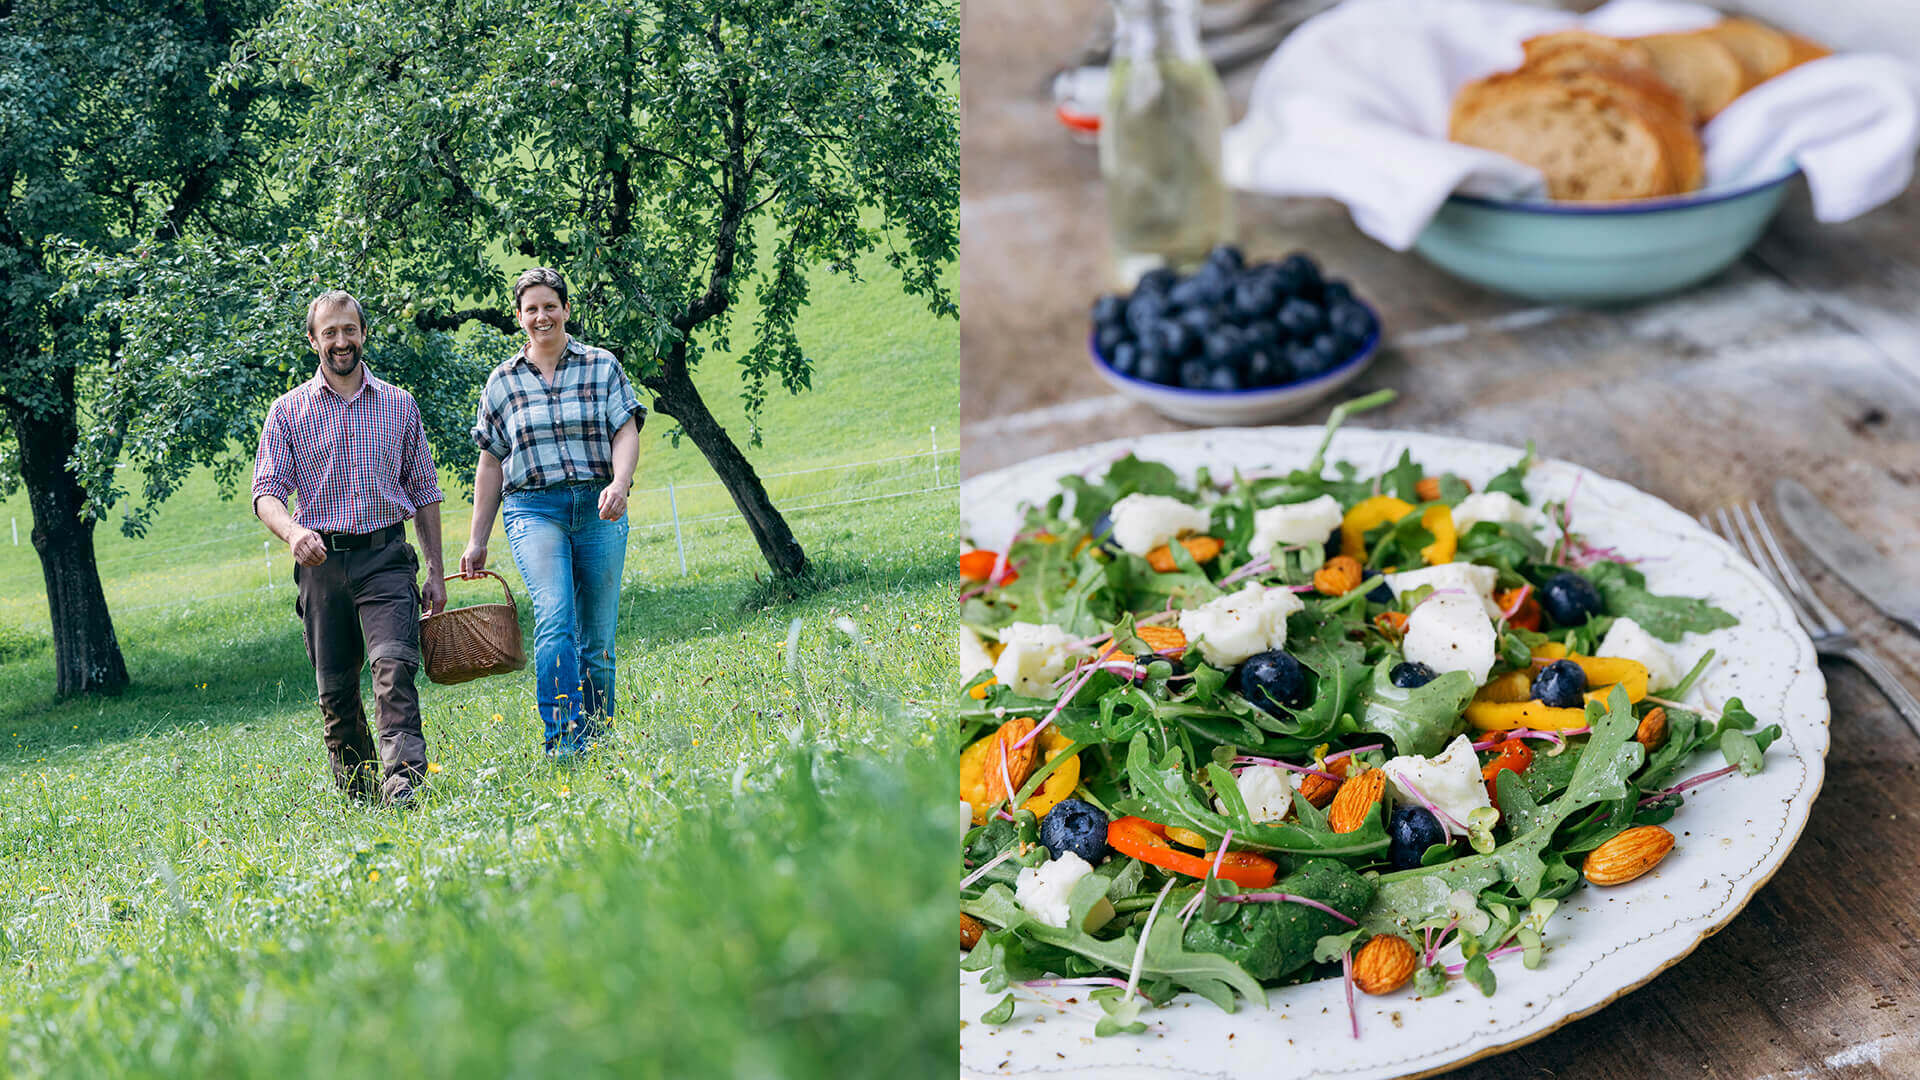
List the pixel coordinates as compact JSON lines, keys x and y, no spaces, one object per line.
{"x":397,"y":791}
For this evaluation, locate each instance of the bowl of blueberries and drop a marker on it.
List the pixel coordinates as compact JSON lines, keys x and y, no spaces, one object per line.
{"x":1233,"y":343}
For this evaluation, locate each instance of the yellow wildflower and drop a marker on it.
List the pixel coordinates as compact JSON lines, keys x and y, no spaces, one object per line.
{"x":373,"y":875}
{"x":433,"y":766}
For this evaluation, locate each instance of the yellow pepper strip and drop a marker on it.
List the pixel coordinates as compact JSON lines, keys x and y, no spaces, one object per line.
{"x":1367,"y":514}
{"x":1437,"y":520}
{"x":973,"y":778}
{"x":1507,"y":715}
{"x":1187,"y":837}
{"x":1505,"y":703}
{"x":979,"y":693}
{"x":1058,"y":785}
{"x":1202,"y":548}
{"x":1513,"y":686}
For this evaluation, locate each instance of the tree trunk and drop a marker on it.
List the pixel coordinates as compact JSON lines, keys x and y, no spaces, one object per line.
{"x":86,"y":652}
{"x":678,"y":398}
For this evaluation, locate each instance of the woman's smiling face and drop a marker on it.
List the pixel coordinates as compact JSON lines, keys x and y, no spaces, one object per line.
{"x":542,"y":315}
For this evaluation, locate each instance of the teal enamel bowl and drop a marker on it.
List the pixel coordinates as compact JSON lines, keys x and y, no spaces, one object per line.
{"x":1599,"y":254}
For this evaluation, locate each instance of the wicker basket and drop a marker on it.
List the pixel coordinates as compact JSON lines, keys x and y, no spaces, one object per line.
{"x":467,"y":643}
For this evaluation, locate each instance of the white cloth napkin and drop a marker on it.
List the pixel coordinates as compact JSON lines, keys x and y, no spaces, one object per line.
{"x":1353,"y":106}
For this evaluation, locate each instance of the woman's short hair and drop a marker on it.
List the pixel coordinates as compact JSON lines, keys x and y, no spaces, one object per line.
{"x":330,"y":299}
{"x":540,"y":275}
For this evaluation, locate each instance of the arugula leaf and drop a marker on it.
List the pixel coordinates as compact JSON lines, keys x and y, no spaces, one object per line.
{"x":1500,"y":544}
{"x":1272,"y":940}
{"x":1128,"y":476}
{"x":1666,"y":617}
{"x":1420,"y":720}
{"x":1162,"y":793}
{"x":1210,"y":975}
{"x":1403,"y":480}
{"x":1510,"y":480}
{"x":1000,"y":1013}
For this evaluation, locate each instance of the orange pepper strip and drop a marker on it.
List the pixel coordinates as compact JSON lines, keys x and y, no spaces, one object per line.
{"x":978,"y":566}
{"x":1147,"y":841}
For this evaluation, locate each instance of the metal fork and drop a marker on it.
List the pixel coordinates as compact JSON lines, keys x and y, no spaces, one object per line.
{"x":1743,"y":526}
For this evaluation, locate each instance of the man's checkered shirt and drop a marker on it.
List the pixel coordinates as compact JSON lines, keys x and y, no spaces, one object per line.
{"x":552,"y":433}
{"x":358,"y":464}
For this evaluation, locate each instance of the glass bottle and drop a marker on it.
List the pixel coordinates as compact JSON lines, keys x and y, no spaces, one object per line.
{"x":1160,"y":140}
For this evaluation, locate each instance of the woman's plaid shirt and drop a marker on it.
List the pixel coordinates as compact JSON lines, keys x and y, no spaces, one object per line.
{"x":552,"y":433}
{"x":358,"y":464}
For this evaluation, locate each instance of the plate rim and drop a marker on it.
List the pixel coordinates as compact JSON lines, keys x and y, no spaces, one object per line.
{"x":1796,"y":809}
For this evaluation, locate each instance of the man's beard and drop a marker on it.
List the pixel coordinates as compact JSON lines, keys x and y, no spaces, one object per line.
{"x":343,"y":366}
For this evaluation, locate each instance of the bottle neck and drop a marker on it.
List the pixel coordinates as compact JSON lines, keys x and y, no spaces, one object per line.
{"x":1155,"y":29}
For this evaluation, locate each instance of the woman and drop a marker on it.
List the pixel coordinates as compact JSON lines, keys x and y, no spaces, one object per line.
{"x":559,"y":432}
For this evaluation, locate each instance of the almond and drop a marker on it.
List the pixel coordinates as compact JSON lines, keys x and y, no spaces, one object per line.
{"x":1338,"y":577}
{"x":1202,"y":548}
{"x":1652,"y":730}
{"x":970,"y":931}
{"x":1383,"y":965}
{"x":1628,"y":855}
{"x":1427,"y":489}
{"x":1318,"y":789}
{"x":1391,"y":623}
{"x":1355,"y":800}
{"x":1162,"y":639}
{"x":1019,"y":759}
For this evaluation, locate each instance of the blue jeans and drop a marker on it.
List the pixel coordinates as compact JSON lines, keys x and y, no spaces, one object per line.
{"x":571,"y":562}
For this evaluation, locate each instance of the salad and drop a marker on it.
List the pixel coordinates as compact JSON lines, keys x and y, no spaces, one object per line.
{"x":1260,"y":729}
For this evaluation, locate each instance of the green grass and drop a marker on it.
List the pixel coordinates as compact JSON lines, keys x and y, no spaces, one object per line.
{"x":743,"y":881}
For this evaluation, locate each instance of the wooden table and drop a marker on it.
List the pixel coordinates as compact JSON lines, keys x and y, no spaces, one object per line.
{"x":1803,"y":359}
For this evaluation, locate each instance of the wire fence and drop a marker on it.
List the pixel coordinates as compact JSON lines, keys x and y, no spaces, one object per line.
{"x":701,"y":516}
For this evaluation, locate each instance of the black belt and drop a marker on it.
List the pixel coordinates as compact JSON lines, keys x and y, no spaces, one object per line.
{"x":340,"y":541}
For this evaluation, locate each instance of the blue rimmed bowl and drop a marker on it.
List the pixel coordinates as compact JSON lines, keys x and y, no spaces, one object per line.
{"x":1259,"y":405}
{"x":1583,"y":253}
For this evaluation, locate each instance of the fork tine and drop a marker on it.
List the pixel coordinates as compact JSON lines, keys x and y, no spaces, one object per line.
{"x":1764,"y":559}
{"x":1723,"y":523}
{"x":1798,"y":583}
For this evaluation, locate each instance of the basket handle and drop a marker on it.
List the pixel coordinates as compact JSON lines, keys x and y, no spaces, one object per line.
{"x":485,"y":573}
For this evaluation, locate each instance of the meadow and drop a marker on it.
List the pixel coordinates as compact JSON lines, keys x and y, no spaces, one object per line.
{"x":744,"y":879}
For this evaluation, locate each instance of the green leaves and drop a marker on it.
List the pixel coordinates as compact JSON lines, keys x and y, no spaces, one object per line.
{"x":1274,"y":939}
{"x":1162,"y":793}
{"x":1512,"y":479}
{"x":1419,"y":720}
{"x":1665,"y":617}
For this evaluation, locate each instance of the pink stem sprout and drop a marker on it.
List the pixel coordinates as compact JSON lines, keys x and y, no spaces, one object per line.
{"x":1285,"y":898}
{"x":1455,"y":969}
{"x":1356,"y":750}
{"x":1091,"y":980}
{"x":1061,"y":704}
{"x":1438,"y":814}
{"x":1557,"y":737}
{"x":1687,"y":783}
{"x":1525,"y":591}
{"x":980,"y":873}
{"x":1346,"y":976}
{"x":1278,"y":764}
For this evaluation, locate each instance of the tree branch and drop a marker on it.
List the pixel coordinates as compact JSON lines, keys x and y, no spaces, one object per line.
{"x":431,"y":319}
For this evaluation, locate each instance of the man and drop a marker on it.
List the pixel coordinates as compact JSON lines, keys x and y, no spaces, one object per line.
{"x":351,"y":447}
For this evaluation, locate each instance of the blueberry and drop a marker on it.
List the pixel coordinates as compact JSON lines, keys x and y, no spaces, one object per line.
{"x":1265,"y":368}
{"x":1190,"y":293}
{"x":1254,"y":297}
{"x":1411,"y":673}
{"x":1125,"y":358}
{"x":1197,"y":321}
{"x":1334,"y":292}
{"x":1561,"y":685}
{"x":1382,"y":593}
{"x":1170,"y":338}
{"x":1263,"y":334}
{"x":1144,"y":310}
{"x":1274,"y":679}
{"x":1223,"y":378}
{"x":1227,"y":256}
{"x":1155,"y":368}
{"x":1077,"y":826}
{"x":1157,"y":280}
{"x":1301,"y":319}
{"x":1109,"y":310}
{"x":1108,"y":337}
{"x":1305,"y":362}
{"x":1194,"y":374}
{"x":1327,"y":348}
{"x":1102,"y":531}
{"x":1226,"y":345}
{"x":1410,"y":832}
{"x":1350,"y":319}
{"x":1304,"y":270}
{"x":1569,"y":599}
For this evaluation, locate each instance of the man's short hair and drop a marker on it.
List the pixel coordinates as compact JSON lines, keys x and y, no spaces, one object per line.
{"x":540,"y":275}
{"x":329,"y":299}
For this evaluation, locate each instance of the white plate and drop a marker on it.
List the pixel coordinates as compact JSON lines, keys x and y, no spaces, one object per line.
{"x":1733,"y":832}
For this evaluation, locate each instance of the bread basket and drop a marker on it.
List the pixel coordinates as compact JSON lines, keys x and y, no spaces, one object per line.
{"x":461,"y":644}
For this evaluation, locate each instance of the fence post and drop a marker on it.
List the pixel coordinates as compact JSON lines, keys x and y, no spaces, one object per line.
{"x":673,"y":504}
{"x":933,"y":434}
{"x":16,"y":532}
{"x":266,"y":549}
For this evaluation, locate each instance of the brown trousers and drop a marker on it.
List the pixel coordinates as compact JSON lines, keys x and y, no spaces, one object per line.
{"x":356,"y":607}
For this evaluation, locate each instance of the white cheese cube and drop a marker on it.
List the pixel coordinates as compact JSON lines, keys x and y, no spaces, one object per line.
{"x":1627,"y":640}
{"x":973,"y":655}
{"x":1495,"y":506}
{"x":1450,"y":781}
{"x":1476,"y":581}
{"x":1448,"y":632}
{"x":1241,"y":624}
{"x":1033,"y":656}
{"x":1042,"y":890}
{"x":1268,"y":791}
{"x":1295,"y":523}
{"x":1144,"y":522}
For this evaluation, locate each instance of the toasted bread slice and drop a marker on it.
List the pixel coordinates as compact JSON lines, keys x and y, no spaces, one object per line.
{"x":1567,"y":49}
{"x":1705,"y":72}
{"x":1671,"y":117}
{"x":1762,"y":51}
{"x":1590,"y":143}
